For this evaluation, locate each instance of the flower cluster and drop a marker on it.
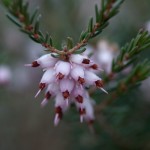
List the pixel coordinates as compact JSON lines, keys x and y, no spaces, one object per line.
{"x":66,"y":80}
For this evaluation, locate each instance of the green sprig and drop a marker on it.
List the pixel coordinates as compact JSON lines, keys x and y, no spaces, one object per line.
{"x":130,"y":51}
{"x":30,"y":23}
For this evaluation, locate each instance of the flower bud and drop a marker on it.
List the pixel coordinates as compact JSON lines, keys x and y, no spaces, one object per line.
{"x":60,"y":107}
{"x":77,"y":74}
{"x":89,"y":115}
{"x":66,"y":87}
{"x":93,"y":79}
{"x":44,"y":61}
{"x":48,"y":77}
{"x":78,"y":94}
{"x":79,"y":59}
{"x":62,"y":69}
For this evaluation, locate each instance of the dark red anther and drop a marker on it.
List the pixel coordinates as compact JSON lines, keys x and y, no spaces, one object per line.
{"x":35,"y":64}
{"x":86,"y":61}
{"x":66,"y":94}
{"x":94,"y":66}
{"x":79,"y":99}
{"x":60,"y":76}
{"x":81,"y":80}
{"x":91,"y":121}
{"x":82,"y":111}
{"x":42,"y":86}
{"x":58,"y":110}
{"x":48,"y":95}
{"x":99,"y":83}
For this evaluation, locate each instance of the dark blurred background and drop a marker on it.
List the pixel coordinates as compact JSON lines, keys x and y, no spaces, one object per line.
{"x":24,"y":125}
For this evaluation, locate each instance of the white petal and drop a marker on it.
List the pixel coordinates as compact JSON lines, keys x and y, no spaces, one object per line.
{"x":53,"y":88}
{"x":63,"y":68}
{"x":76,"y":72}
{"x":91,"y":77}
{"x":89,"y":110}
{"x":47,"y":61}
{"x":78,"y":90}
{"x":77,"y":58}
{"x":48,"y":76}
{"x":66,"y":84}
{"x":60,"y":102}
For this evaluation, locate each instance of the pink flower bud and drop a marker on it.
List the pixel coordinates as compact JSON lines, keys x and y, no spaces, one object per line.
{"x":46,"y":61}
{"x":91,"y":77}
{"x":89,"y":115}
{"x":66,"y":87}
{"x":78,"y":94}
{"x":62,"y":69}
{"x":48,"y":77}
{"x":79,"y":59}
{"x":60,"y":102}
{"x":53,"y":88}
{"x":77,"y":74}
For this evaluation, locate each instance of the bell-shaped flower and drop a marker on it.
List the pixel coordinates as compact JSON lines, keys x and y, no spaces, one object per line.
{"x":77,"y":73}
{"x":62,"y":69}
{"x":79,"y":59}
{"x":48,"y":77}
{"x":44,"y":61}
{"x":60,"y":107}
{"x":92,"y":79}
{"x":78,"y":93}
{"x":66,"y":87}
{"x":89,"y":114}
{"x":51,"y":91}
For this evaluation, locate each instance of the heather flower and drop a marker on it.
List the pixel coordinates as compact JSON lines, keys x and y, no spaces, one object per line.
{"x":66,"y":82}
{"x":44,"y":61}
{"x":62,"y":69}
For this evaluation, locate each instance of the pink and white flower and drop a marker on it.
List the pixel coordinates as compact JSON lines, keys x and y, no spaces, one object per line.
{"x":66,"y":81}
{"x":62,"y":69}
